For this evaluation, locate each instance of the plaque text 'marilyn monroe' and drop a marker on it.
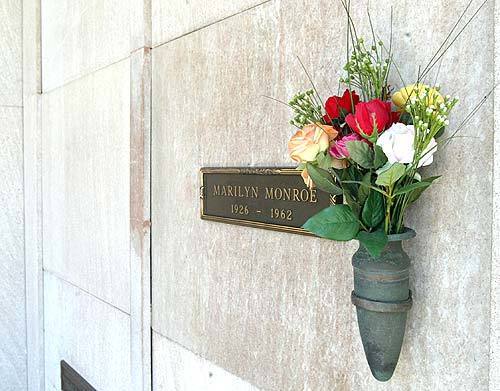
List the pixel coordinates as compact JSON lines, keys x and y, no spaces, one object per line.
{"x":273,"y":198}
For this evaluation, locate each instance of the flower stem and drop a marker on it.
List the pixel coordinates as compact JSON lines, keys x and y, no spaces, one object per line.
{"x":388,"y":211}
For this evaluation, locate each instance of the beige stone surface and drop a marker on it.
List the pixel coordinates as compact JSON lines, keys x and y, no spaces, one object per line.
{"x":140,"y":24}
{"x":11,"y":72}
{"x":81,"y":36}
{"x":32,"y":167}
{"x":86,"y":181}
{"x":140,"y":218}
{"x":90,"y":335}
{"x":174,"y":18}
{"x":273,"y":308}
{"x":176,"y":368}
{"x":12,"y":309}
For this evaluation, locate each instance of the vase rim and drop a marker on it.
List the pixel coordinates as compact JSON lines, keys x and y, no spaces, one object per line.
{"x":407,"y":234}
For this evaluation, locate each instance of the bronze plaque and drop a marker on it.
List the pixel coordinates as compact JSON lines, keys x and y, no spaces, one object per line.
{"x":271,"y":198}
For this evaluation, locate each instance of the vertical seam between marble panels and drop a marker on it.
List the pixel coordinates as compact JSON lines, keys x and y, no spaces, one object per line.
{"x":140,"y":218}
{"x":210,"y":24}
{"x":493,"y":350}
{"x":32,"y":193}
{"x":150,"y":119}
{"x":23,"y":153}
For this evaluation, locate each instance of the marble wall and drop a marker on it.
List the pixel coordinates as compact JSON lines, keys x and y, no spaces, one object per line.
{"x":91,"y":115}
{"x":274,"y":309}
{"x":132,"y":98}
{"x":12,"y":277}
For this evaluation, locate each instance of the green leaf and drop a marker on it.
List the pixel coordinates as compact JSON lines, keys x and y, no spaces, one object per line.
{"x":301,"y":167}
{"x":323,"y":180}
{"x":384,"y":168}
{"x":406,"y":118}
{"x":379,"y":159}
{"x":412,"y":187}
{"x":431,"y":179}
{"x":366,"y":185}
{"x":361,"y":153}
{"x":324,"y":161}
{"x":336,"y":222}
{"x":373,"y":210}
{"x":349,"y":174}
{"x":440,"y":132}
{"x":355,"y":206}
{"x":374,"y":242}
{"x":392,"y":175}
{"x":336,"y":173}
{"x":415,"y":194}
{"x":364,"y":188}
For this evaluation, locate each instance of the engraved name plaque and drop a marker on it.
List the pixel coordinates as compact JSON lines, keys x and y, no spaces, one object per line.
{"x":271,"y":198}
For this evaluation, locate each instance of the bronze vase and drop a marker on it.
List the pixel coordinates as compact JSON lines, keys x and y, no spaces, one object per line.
{"x":382,"y":298}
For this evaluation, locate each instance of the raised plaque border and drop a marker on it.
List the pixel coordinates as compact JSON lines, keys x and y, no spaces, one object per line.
{"x":250,"y":171}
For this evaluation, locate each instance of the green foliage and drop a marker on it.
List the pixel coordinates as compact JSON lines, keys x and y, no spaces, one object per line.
{"x":351,"y":174}
{"x":410,"y":188}
{"x":307,"y":109}
{"x":353,"y":204}
{"x":416,"y":193}
{"x":430,"y":112}
{"x":374,"y":242}
{"x":379,"y":157}
{"x":368,"y":69}
{"x":365,"y":188}
{"x":373,"y":210}
{"x":361,"y":153}
{"x":323,"y":180}
{"x":406,"y":119}
{"x":390,"y":176}
{"x":336,"y":222}
{"x":301,"y":166}
{"x":324,"y":161}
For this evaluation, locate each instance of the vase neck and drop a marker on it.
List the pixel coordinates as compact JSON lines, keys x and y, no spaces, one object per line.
{"x":393,"y":246}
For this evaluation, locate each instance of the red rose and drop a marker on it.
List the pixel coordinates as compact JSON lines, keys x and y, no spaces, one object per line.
{"x":395,"y":117}
{"x":370,"y":115}
{"x":336,"y":104}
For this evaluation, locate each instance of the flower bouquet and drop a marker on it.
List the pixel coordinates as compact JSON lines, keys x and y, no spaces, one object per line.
{"x":368,"y":145}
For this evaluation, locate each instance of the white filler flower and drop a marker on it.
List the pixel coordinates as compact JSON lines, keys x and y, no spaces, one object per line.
{"x":397,"y":144}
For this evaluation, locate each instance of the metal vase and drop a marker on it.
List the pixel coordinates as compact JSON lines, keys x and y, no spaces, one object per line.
{"x":382,"y":298}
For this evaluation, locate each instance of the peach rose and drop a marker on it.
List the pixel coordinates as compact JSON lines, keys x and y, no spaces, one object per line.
{"x":305,"y":145}
{"x":330,"y":131}
{"x":307,"y":179}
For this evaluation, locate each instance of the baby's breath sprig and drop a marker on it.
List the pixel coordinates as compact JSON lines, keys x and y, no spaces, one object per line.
{"x":430,"y":112}
{"x":368,"y":70}
{"x":306,"y":109}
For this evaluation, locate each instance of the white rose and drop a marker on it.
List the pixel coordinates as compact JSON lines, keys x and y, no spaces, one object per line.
{"x":397,"y":144}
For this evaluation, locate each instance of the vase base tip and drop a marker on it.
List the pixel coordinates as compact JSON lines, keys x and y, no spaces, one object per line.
{"x":382,"y":376}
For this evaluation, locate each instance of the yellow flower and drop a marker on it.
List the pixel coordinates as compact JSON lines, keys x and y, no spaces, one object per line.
{"x":401,"y":98}
{"x":305,"y":145}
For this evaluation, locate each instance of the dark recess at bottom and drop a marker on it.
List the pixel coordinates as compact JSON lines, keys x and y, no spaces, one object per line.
{"x":71,"y":380}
